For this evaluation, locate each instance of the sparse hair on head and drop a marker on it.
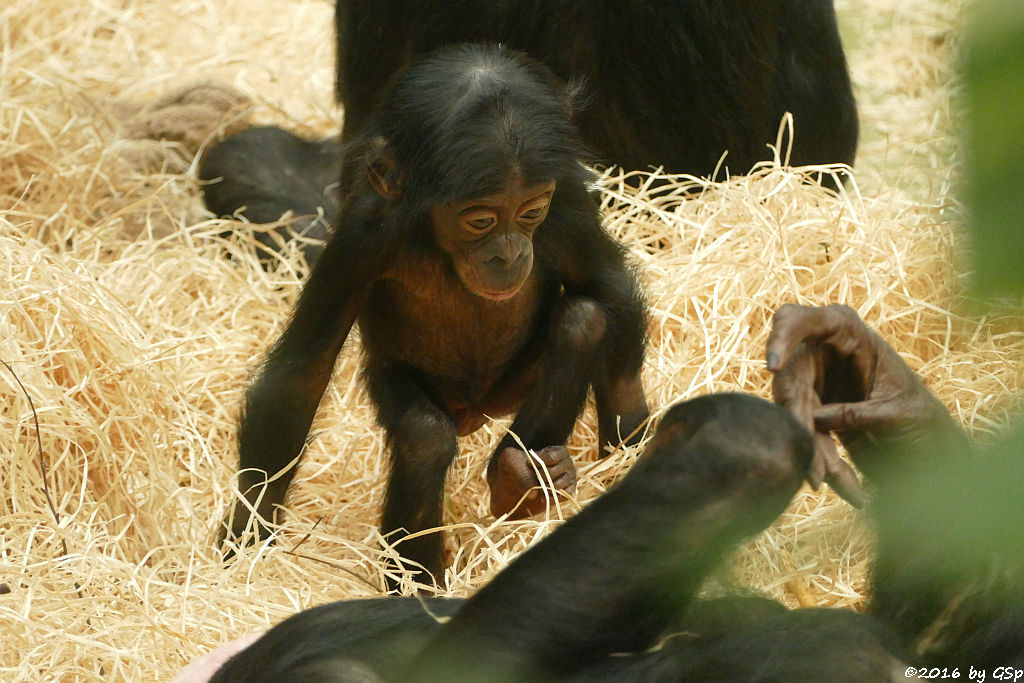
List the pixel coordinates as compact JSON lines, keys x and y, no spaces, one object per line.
{"x":461,"y":121}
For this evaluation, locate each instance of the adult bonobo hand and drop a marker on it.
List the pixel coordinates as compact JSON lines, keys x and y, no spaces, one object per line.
{"x":834,"y":374}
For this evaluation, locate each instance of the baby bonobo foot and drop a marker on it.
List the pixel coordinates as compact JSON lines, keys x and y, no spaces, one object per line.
{"x":519,"y":480}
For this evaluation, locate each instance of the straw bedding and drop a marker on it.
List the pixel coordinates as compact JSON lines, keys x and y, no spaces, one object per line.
{"x":129,"y":326}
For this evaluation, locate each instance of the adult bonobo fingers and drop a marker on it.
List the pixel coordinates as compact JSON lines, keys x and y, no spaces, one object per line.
{"x":836,"y":325}
{"x":838,"y":474}
{"x":795,"y":384}
{"x":871,"y":414}
{"x":823,"y":453}
{"x":792,"y":324}
{"x":826,"y":466}
{"x":808,"y":346}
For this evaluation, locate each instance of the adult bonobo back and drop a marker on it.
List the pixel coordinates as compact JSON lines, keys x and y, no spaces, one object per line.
{"x":672,"y":84}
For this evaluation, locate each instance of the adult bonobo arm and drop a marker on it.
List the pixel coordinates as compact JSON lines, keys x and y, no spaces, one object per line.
{"x":283,"y":396}
{"x":611,"y":579}
{"x":606,"y":583}
{"x":835,"y":374}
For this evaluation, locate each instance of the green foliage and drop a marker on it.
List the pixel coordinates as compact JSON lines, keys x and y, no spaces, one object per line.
{"x":937,"y":509}
{"x":994,"y":193}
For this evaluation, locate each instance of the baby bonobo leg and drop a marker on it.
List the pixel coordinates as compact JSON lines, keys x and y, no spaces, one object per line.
{"x":547,"y":416}
{"x":421,"y":437}
{"x":622,"y":410}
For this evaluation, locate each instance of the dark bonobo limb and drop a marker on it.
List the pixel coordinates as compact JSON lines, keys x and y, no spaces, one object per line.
{"x":421,"y":437}
{"x":608,"y":581}
{"x":719,"y":469}
{"x":263,"y":172}
{"x":358,"y":640}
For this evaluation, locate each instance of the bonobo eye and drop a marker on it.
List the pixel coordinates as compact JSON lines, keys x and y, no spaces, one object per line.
{"x":478,"y":220}
{"x":535,"y":210}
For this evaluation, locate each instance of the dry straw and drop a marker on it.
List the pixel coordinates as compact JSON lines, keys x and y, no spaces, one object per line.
{"x":129,"y":326}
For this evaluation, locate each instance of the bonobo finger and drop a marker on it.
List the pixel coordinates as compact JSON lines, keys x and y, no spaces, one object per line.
{"x":515,"y":464}
{"x":827,"y":466}
{"x":553,"y":455}
{"x":565,"y":481}
{"x":844,"y":481}
{"x":791,"y":325}
{"x":794,"y":387}
{"x":847,"y":417}
{"x":563,"y":476}
{"x":838,"y":325}
{"x":824,"y":449}
{"x":560,"y":468}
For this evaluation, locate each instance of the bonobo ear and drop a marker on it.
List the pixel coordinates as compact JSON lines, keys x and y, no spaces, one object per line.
{"x":577,"y":97}
{"x":380,"y":166}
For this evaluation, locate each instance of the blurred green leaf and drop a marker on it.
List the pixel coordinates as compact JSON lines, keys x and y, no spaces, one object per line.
{"x":994,"y":193}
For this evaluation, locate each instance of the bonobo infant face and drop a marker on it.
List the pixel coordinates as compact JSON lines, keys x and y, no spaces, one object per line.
{"x":490,"y":239}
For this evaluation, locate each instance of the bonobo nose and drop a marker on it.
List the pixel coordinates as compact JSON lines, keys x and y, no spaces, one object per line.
{"x":507,"y":252}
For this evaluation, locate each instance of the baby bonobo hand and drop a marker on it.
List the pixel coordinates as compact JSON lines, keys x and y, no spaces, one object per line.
{"x":513,"y":477}
{"x":834,"y":374}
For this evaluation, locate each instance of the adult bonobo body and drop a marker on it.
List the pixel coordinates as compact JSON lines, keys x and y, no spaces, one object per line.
{"x":472,"y":255}
{"x":672,"y":84}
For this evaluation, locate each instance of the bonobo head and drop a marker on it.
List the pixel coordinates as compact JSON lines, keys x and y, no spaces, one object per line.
{"x":476,"y":141}
{"x":490,"y":239}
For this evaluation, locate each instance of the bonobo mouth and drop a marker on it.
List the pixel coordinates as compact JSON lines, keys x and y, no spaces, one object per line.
{"x":495,"y":287}
{"x":499,"y":295}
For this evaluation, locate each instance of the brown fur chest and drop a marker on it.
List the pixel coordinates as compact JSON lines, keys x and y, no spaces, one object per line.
{"x":423,"y":316}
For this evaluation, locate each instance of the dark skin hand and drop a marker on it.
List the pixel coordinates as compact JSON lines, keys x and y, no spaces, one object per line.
{"x":517,"y":483}
{"x":836,"y":375}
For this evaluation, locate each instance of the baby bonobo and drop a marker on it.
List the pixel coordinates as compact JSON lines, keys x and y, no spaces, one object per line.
{"x":472,"y":255}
